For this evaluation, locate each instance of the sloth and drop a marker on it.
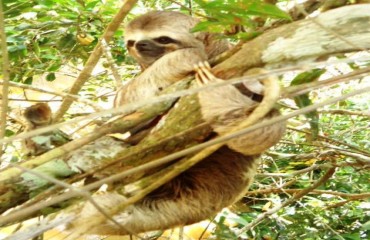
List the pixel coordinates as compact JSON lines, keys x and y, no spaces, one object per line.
{"x":167,"y":51}
{"x":37,"y":116}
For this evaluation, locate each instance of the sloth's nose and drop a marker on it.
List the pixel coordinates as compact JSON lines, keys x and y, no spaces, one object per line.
{"x":143,"y":45}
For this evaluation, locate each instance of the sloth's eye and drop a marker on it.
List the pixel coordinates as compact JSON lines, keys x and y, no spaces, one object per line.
{"x":164,"y":40}
{"x":130,"y":43}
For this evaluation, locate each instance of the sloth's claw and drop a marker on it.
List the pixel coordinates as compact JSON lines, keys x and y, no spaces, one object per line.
{"x":203,"y":73}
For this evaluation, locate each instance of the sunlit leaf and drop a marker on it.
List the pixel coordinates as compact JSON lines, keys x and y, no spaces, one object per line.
{"x":50,"y":77}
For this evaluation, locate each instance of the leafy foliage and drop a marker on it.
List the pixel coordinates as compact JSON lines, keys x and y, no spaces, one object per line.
{"x":224,"y":15}
{"x":44,"y":35}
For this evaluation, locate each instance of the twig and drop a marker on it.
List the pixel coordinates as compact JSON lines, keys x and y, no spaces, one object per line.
{"x":111,"y":63}
{"x":304,"y":156}
{"x":33,"y":100}
{"x":346,"y":112}
{"x":191,"y":10}
{"x":311,"y":168}
{"x":294,"y":198}
{"x":353,"y":196}
{"x":334,"y":141}
{"x":357,"y":156}
{"x":308,"y":87}
{"x":56,"y":93}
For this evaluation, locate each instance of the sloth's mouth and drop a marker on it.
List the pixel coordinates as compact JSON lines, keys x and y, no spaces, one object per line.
{"x":151,"y":53}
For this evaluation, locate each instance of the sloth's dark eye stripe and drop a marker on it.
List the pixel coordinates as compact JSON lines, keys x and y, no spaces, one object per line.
{"x":165,"y":40}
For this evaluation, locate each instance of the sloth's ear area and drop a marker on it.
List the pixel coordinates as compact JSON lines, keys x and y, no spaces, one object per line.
{"x":214,"y":44}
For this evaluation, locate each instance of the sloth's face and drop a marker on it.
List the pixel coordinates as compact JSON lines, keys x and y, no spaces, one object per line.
{"x":148,"y":50}
{"x":39,"y":114}
{"x":155,"y":34}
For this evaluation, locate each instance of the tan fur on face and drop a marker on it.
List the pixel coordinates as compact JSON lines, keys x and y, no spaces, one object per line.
{"x":160,"y":23}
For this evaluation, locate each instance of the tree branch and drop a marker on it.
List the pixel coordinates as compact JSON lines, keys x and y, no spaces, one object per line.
{"x":55,"y":93}
{"x":6,"y":72}
{"x":301,"y":41}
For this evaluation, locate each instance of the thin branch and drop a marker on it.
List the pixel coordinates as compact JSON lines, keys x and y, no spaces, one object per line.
{"x":355,"y":196}
{"x":311,"y":168}
{"x":346,"y":112}
{"x":33,"y":100}
{"x":303,"y":156}
{"x":55,"y":93}
{"x":71,"y":146}
{"x":367,"y":153}
{"x":111,"y":63}
{"x":6,"y":72}
{"x":352,"y":197}
{"x":291,"y":200}
{"x":293,"y":91}
{"x":191,"y":10}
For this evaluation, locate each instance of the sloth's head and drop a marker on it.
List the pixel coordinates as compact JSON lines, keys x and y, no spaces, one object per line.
{"x":157,"y":33}
{"x":38,"y":114}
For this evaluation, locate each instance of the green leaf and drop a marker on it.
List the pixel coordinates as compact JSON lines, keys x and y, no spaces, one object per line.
{"x":366,"y":226}
{"x":50,"y":57}
{"x":207,"y":27}
{"x":90,"y":5}
{"x":28,"y":80}
{"x":307,"y":77}
{"x":54,"y":67}
{"x":36,"y":48}
{"x":9,"y":133}
{"x":16,"y":48}
{"x":354,"y":236}
{"x":67,"y":42}
{"x":47,"y":3}
{"x":41,"y":139}
{"x":244,"y":8}
{"x":269,"y":10}
{"x":50,"y":77}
